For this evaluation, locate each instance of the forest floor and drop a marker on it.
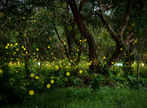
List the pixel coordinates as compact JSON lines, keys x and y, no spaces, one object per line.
{"x":104,"y":97}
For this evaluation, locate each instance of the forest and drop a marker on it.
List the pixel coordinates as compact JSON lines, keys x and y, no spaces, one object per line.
{"x":73,"y":54}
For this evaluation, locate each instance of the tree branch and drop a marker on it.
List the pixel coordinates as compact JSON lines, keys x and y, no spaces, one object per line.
{"x":126,"y":17}
{"x":108,"y":26}
{"x":81,"y":5}
{"x":62,"y":42}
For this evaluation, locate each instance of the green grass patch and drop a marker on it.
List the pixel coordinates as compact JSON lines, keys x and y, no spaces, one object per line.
{"x":87,"y":98}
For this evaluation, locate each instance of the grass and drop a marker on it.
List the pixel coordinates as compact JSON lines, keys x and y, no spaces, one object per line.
{"x":87,"y":98}
{"x":104,"y":97}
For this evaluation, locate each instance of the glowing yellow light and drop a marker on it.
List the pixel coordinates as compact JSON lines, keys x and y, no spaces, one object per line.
{"x":48,"y":86}
{"x":142,"y":64}
{"x":31,"y":92}
{"x":22,"y":47}
{"x":52,"y":81}
{"x":8,"y":44}
{"x":49,"y":47}
{"x":18,"y":63}
{"x":36,"y":77}
{"x":64,"y":43}
{"x":16,"y":44}
{"x":17,"y":49}
{"x":10,"y":63}
{"x":85,"y":40}
{"x":6,"y":47}
{"x":81,"y":71}
{"x":37,"y":49}
{"x":11,"y":44}
{"x":26,"y":52}
{"x":112,"y":62}
{"x":67,"y":73}
{"x":32,"y":75}
{"x":1,"y":71}
{"x":121,"y":49}
{"x":135,"y":41}
{"x":57,"y":67}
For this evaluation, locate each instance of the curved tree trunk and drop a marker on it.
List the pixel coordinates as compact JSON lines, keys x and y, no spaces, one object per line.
{"x":86,"y":34}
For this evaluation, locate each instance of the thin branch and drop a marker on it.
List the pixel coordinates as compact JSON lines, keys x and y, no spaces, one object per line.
{"x":62,"y":42}
{"x":129,"y":38}
{"x":81,"y":5}
{"x":126,"y":17}
{"x":107,"y":25}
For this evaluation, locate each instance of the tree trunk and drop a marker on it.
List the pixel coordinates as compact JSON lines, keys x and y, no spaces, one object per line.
{"x":86,"y":34}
